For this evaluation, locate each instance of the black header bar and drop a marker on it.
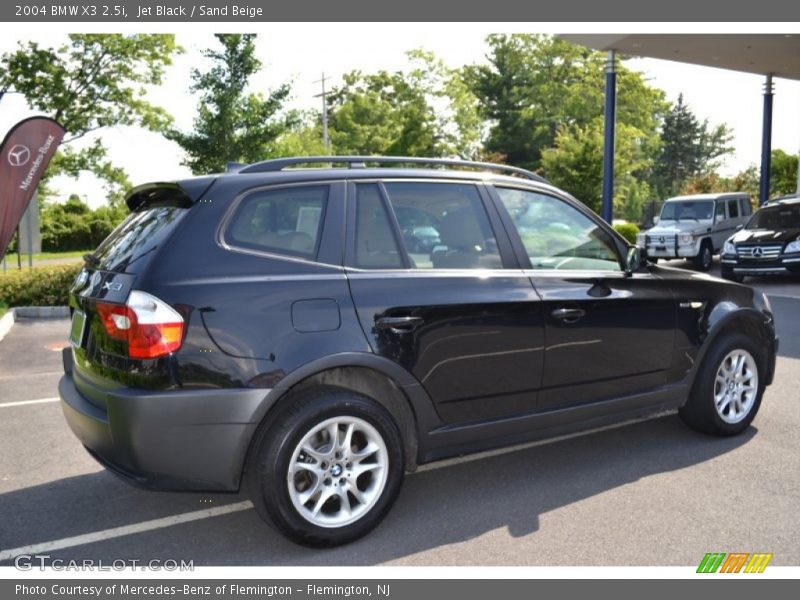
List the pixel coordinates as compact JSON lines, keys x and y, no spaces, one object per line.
{"x":252,"y":11}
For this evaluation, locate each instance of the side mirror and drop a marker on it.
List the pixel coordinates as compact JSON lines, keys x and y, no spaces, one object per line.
{"x":656,"y":219}
{"x":739,"y":226}
{"x":635,"y":259}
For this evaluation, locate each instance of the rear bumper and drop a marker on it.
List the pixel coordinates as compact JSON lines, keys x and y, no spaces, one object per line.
{"x":175,"y":440}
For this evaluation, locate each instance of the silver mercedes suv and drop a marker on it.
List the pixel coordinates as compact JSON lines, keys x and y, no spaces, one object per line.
{"x":696,"y":226}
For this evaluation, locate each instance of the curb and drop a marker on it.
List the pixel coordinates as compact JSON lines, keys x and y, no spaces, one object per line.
{"x":42,"y":312}
{"x":30,"y":312}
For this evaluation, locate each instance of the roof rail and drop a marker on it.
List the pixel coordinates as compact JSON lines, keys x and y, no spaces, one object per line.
{"x":360,"y":162}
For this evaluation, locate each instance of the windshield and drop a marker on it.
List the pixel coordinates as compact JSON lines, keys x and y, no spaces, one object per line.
{"x":687,"y":210}
{"x":776,"y":217}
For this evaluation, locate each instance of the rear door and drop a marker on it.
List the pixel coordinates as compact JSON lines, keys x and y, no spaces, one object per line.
{"x":607,"y":334}
{"x":456,"y":311}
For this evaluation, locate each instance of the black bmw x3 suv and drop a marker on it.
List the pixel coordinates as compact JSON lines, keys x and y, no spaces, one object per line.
{"x":271,"y":328}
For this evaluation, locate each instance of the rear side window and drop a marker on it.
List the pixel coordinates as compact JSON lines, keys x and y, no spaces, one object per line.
{"x":130,"y":246}
{"x":280,"y":221}
{"x":746,"y":209}
{"x":733,"y":208}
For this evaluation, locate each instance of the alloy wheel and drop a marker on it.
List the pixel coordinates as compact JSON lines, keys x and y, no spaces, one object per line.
{"x":338,"y":471}
{"x":736,"y":386}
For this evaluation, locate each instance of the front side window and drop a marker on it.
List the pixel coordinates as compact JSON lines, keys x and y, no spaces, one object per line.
{"x":719,"y":212}
{"x":733,"y":208}
{"x":557,"y":235}
{"x":280,"y":221}
{"x":443,"y":225}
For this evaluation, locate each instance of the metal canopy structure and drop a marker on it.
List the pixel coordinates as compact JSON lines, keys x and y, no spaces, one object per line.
{"x":763,"y":54}
{"x":770,"y":55}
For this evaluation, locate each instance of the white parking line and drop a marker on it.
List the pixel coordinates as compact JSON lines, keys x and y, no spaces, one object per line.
{"x":26,"y":402}
{"x":28,"y":375}
{"x":107,"y":534}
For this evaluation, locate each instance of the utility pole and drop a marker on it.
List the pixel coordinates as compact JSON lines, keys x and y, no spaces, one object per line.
{"x":323,"y":95}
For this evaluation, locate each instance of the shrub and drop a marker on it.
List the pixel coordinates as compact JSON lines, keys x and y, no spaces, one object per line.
{"x":628,"y":231}
{"x":74,"y":226}
{"x":43,"y":286}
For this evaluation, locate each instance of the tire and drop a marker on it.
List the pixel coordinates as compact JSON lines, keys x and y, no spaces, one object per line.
{"x":710,"y":408}
{"x":727,"y":273}
{"x":705,"y":258}
{"x":294,"y":469}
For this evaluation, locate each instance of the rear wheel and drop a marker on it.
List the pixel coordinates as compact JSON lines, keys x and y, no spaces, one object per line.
{"x":728,"y":388}
{"x":704,"y":259}
{"x":328,"y":469}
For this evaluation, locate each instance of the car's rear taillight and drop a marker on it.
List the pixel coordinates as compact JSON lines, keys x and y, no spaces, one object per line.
{"x":151,"y":327}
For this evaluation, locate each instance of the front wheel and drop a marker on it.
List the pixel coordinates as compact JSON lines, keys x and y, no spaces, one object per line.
{"x":704,"y":259}
{"x":728,"y":388}
{"x":329,"y":468}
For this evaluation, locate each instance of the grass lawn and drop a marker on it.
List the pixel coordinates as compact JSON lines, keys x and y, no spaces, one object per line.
{"x":68,"y":257}
{"x":49,"y":255}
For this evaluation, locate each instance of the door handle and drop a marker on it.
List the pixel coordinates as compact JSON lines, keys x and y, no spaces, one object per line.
{"x":568,"y":315}
{"x":398,"y":324}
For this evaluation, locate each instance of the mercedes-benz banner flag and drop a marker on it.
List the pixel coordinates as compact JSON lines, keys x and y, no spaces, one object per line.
{"x":24,"y":155}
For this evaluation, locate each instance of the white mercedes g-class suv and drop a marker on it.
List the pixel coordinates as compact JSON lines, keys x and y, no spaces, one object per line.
{"x":696,"y":227}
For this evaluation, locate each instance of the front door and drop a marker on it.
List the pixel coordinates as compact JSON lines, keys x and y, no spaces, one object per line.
{"x":608,"y":334}
{"x":437,"y":291}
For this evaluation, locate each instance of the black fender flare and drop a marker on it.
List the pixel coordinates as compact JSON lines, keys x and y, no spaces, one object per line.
{"x":728,"y":313}
{"x":422,"y":414}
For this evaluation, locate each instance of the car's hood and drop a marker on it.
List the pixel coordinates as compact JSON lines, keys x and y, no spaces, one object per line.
{"x":765,"y":236}
{"x":678,"y":227}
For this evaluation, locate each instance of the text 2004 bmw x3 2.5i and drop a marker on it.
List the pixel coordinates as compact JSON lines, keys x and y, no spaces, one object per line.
{"x":271,"y":328}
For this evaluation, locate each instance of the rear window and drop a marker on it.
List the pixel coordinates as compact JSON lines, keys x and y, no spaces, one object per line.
{"x":280,"y":221}
{"x":135,"y":240}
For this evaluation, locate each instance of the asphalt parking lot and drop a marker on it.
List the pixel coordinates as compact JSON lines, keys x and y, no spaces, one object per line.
{"x":647,"y":493}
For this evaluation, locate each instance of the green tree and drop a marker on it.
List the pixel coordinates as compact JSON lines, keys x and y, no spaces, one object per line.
{"x":689,"y":147}
{"x":427,"y":110}
{"x":535,"y":86}
{"x":575,"y":163}
{"x":92,"y":82}
{"x":72,"y":225}
{"x":783,"y":174}
{"x":231,"y":123}
{"x":303,"y":138}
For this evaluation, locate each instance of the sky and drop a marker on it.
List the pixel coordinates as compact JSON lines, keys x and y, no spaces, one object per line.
{"x":300,"y":53}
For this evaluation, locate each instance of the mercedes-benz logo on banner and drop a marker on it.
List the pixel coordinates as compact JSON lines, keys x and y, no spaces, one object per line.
{"x":19,"y":155}
{"x":757,"y":251}
{"x":662,"y":239}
